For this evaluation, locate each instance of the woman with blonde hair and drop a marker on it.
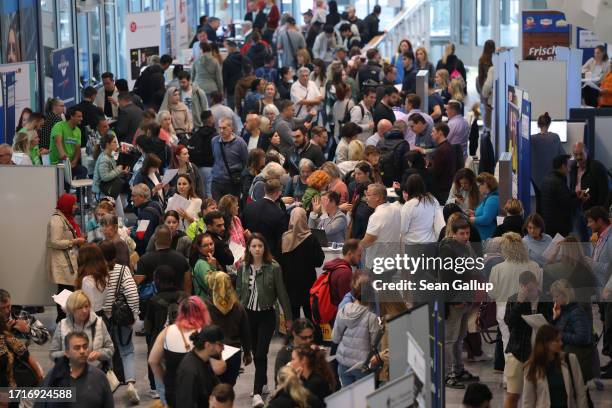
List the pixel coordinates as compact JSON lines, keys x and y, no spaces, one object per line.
{"x":442,"y":81}
{"x":182,"y":121}
{"x":166,"y":131}
{"x":356,"y":153}
{"x":21,"y":156}
{"x":421,"y":60}
{"x":290,"y":392}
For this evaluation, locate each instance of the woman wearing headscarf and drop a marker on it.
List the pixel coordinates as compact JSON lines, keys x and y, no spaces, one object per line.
{"x":182,"y":121}
{"x":227,"y":313}
{"x":301,"y":254}
{"x":63,"y":239}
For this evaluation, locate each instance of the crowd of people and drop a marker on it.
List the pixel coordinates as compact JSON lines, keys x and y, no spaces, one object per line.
{"x":219,"y":189}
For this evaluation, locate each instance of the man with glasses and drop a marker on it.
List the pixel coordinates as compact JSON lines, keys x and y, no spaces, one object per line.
{"x":230,"y":155}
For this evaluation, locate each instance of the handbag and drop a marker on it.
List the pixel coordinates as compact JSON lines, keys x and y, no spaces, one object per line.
{"x":146,"y":290}
{"x":235,"y":175}
{"x":23,"y":373}
{"x":486,"y":320}
{"x":114,"y":187}
{"x":121,"y":313}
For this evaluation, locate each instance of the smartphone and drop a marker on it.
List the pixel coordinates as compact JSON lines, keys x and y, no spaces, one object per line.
{"x":586,"y":191}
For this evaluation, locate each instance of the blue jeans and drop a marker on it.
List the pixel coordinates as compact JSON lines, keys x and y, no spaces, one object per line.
{"x":126,"y":351}
{"x":161,"y":390}
{"x":347,"y":379}
{"x":206,"y":173}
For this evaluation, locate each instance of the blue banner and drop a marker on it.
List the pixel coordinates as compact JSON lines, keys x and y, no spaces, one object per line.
{"x":542,"y":22}
{"x":524,"y":171}
{"x":587,"y":40}
{"x":9,"y":100}
{"x":64,"y":75}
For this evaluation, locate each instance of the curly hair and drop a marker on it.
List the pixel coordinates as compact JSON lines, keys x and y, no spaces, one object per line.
{"x":318,"y":180}
{"x":513,"y":249}
{"x":315,"y":358}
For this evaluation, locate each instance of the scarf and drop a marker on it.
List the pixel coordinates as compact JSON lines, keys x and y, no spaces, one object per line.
{"x":298,"y":230}
{"x":223,"y":294}
{"x":64,"y":205}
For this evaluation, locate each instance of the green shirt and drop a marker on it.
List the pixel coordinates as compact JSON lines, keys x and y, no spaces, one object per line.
{"x":70,"y":139}
{"x":35,"y":156}
{"x":200,"y":279}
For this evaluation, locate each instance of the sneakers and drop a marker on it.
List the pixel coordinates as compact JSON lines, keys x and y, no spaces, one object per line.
{"x":133,"y":394}
{"x":453,"y":382}
{"x":153,"y":394}
{"x":258,"y":401}
{"x":466,"y":376}
{"x":482,"y":357}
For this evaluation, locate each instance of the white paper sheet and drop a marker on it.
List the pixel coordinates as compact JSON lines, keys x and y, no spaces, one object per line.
{"x":46,"y":160}
{"x":548,"y":252}
{"x":61,"y":298}
{"x":500,"y":220}
{"x":228,"y":352}
{"x":143,"y":225}
{"x":535,"y":320}
{"x":169,"y":175}
{"x":176,"y":202}
{"x":237,"y":250}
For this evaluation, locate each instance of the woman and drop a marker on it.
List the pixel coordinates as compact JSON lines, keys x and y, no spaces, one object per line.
{"x":442,"y":80}
{"x":174,"y":342}
{"x":301,"y":255}
{"x":419,"y":212}
{"x":185,"y":189}
{"x":333,"y":17}
{"x":360,"y":210}
{"x":455,"y":90}
{"x":149,"y":117}
{"x":595,"y":69}
{"x":303,"y":59}
{"x":452,"y":63}
{"x":92,"y":276}
{"x":271,"y":171}
{"x":343,"y":104}
{"x":422,"y":63}
{"x":228,"y":206}
{"x":120,"y":283}
{"x":269,"y":97}
{"x":464,"y":190}
{"x":536,"y":239}
{"x":311,"y":366}
{"x":180,"y":161}
{"x":259,"y":285}
{"x":318,"y":74}
{"x":63,"y":239}
{"x":166,"y":131}
{"x":255,"y":163}
{"x":109,"y":224}
{"x":485,"y":62}
{"x":149,"y":175}
{"x":297,"y":185}
{"x":23,"y":119}
{"x":605,"y":93}
{"x":285,"y":79}
{"x":398,"y":60}
{"x":513,"y":221}
{"x":545,"y":146}
{"x":484,"y":217}
{"x":356,"y":151}
{"x":334,"y":172}
{"x":21,"y":150}
{"x":252,"y":100}
{"x":552,"y":377}
{"x":54,"y":110}
{"x":301,"y":334}
{"x":32,"y":126}
{"x":151,"y":142}
{"x":182,"y":121}
{"x":290,"y":392}
{"x":203,"y":262}
{"x":108,"y":178}
{"x":275,"y":148}
{"x":227,"y":313}
{"x":81,"y":318}
{"x":206,"y":72}
{"x":317,"y":183}
{"x":180,"y":241}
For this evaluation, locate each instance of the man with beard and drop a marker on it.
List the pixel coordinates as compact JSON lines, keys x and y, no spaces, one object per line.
{"x":303,"y":149}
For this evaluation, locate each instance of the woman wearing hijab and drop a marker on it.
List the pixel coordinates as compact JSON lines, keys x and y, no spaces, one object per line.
{"x":301,"y":254}
{"x":227,"y":313}
{"x":182,"y":121}
{"x":63,"y":239}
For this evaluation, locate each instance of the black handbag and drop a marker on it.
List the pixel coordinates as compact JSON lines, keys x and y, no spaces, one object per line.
{"x":23,"y":373}
{"x":114,"y":187}
{"x":121,"y":313}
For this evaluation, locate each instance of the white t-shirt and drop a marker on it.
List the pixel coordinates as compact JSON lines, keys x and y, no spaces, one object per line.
{"x":385,"y":224}
{"x":300,"y":92}
{"x":253,"y":142}
{"x":96,"y":297}
{"x":418,"y":220}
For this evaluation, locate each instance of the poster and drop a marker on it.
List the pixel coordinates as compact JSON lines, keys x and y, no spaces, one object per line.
{"x":512,"y":126}
{"x":8,"y":93}
{"x":64,"y":75}
{"x":25,"y":86}
{"x":524,"y":176}
{"x":542,"y":31}
{"x":169,"y":27}
{"x":182,"y":26}
{"x":15,"y":14}
{"x":142,"y":39}
{"x":2,"y":130}
{"x":587,"y":40}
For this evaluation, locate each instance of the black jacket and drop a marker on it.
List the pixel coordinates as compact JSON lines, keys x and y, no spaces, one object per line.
{"x":128,"y":121}
{"x":512,"y":223}
{"x":409,"y":82}
{"x":222,"y":251}
{"x":232,"y":70}
{"x":262,"y":143}
{"x":234,"y":325}
{"x":519,"y":343}
{"x":452,"y":63}
{"x":382,"y":111}
{"x":91,"y":113}
{"x":557,"y":202}
{"x":282,"y":399}
{"x":451,"y":248}
{"x":299,"y":271}
{"x":143,"y":86}
{"x":311,"y":151}
{"x":195,"y":381}
{"x":153,"y":212}
{"x":200,"y":146}
{"x":371,"y":23}
{"x":371,"y":71}
{"x":284,"y":90}
{"x":317,"y":386}
{"x":267,"y":218}
{"x":595,"y":178}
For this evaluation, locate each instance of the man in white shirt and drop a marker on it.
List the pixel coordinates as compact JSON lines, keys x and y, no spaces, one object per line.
{"x":459,"y":128}
{"x":384,"y":126}
{"x":382,"y":238}
{"x":361,"y":114}
{"x":196,"y":51}
{"x":305,"y":94}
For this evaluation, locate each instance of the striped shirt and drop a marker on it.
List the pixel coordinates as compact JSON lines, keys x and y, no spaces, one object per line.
{"x":253,"y":298}
{"x":128,"y":288}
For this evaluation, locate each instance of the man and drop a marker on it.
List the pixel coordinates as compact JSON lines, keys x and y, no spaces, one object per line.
{"x":231,"y":71}
{"x":193,"y":97}
{"x":268,"y":72}
{"x":6,"y":155}
{"x":421,"y":129}
{"x":266,"y":217}
{"x":102,"y":129}
{"x":361,"y":114}
{"x":459,"y":128}
{"x":341,"y":270}
{"x":129,"y":118}
{"x":284,"y":125}
{"x":307,"y":17}
{"x":443,"y":163}
{"x":435,"y":104}
{"x":196,"y":51}
{"x":230,"y":156}
{"x":211,"y":28}
{"x":389,"y":78}
{"x":143,"y":86}
{"x":384,"y":108}
{"x":326,"y":215}
{"x":91,"y":112}
{"x":243,"y":86}
{"x":107,"y":98}
{"x":456,"y":246}
{"x":557,"y":200}
{"x":149,"y":214}
{"x":384,"y":226}
{"x":413,"y":104}
{"x":66,"y":142}
{"x":73,"y":370}
{"x":393,"y":149}
{"x":303,"y":149}
{"x":371,"y":23}
{"x":305,"y":95}
{"x":348,"y":133}
{"x":527,"y":301}
{"x":195,"y":378}
{"x":164,"y":62}
{"x":290,"y":41}
{"x":477,"y":395}
{"x":325,"y":44}
{"x":349,"y":38}
{"x":28,"y":328}
{"x":222,"y":396}
{"x":371,"y":71}
{"x":319,"y":137}
{"x":383,"y":127}
{"x":215,"y":225}
{"x":410,"y":73}
{"x":341,"y":54}
{"x":251,"y":133}
{"x":220,"y":111}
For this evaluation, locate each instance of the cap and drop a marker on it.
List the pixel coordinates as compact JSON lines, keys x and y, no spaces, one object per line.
{"x":307,"y":13}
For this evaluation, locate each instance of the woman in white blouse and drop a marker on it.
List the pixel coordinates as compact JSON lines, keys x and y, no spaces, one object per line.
{"x":594,"y":70}
{"x":92,"y":276}
{"x":185,"y":189}
{"x":418,"y":212}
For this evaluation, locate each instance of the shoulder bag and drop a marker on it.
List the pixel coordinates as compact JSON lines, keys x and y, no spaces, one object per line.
{"x":121,"y":313}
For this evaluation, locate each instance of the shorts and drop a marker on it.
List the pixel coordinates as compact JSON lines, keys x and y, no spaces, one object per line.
{"x":514,"y":371}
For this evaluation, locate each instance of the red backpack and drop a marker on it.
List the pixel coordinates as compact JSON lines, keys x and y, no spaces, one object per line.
{"x":323,"y":310}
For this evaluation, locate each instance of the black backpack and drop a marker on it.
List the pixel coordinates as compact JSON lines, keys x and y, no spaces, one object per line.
{"x":391,"y":162}
{"x":164,"y":314}
{"x":346,"y":118}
